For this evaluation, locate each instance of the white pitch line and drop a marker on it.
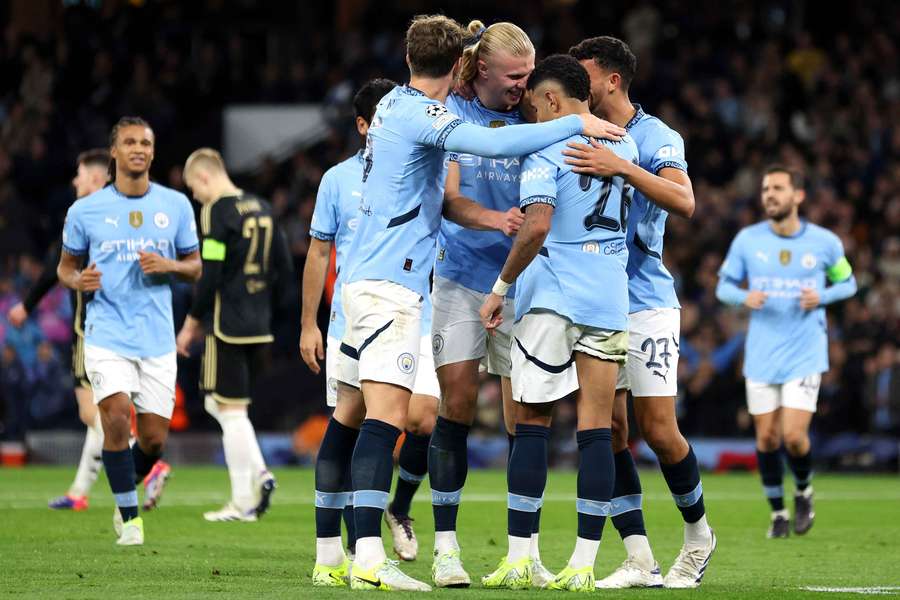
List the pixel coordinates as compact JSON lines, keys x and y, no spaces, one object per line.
{"x":878,"y":590}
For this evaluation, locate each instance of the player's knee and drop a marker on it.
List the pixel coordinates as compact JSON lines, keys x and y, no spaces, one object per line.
{"x":458,"y":404}
{"x":795,"y":442}
{"x":421,"y":423}
{"x":768,"y":440}
{"x":619,"y":432}
{"x":153,"y":443}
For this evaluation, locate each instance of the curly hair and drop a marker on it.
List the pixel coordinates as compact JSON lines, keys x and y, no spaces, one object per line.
{"x":612,"y":54}
{"x":564,"y":70}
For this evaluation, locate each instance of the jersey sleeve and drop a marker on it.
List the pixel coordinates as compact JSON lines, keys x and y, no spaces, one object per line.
{"x":665,"y":149}
{"x":537,"y":183}
{"x":186,"y":236}
{"x":325,"y":219}
{"x":837,"y":267}
{"x":735,"y":266}
{"x":432,"y":122}
{"x":75,"y":240}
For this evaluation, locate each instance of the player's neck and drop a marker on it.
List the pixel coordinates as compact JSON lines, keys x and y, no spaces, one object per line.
{"x":621,"y":110}
{"x":224,"y":189}
{"x":132,"y":186}
{"x":786,"y":227}
{"x":485,"y":98}
{"x":434,"y":88}
{"x":571,"y":106}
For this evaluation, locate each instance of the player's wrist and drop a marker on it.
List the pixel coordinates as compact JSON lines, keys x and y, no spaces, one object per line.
{"x":501,"y":288}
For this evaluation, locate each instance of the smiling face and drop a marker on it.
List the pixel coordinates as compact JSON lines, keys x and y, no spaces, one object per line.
{"x":502,"y":77}
{"x":133,"y":150}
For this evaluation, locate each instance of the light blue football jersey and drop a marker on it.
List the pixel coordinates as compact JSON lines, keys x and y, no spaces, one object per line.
{"x":580,"y":273}
{"x":404,"y":176}
{"x":132,"y":313}
{"x":335,"y":219}
{"x":469,"y":257}
{"x":650,"y":285}
{"x":784,"y":342}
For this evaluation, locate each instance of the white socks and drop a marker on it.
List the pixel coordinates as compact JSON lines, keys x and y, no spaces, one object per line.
{"x":445,"y":542}
{"x":369,"y":552}
{"x":519,"y":548}
{"x":535,"y":551}
{"x":585,"y":553}
{"x":697,"y":535}
{"x":242,"y":456}
{"x":91,"y":460}
{"x":329,"y":551}
{"x":638,"y":549}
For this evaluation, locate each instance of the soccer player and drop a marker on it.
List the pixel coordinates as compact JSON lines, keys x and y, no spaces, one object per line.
{"x":566,"y":337}
{"x":785,"y":261}
{"x":92,"y":175}
{"x":391,"y":257}
{"x":246,"y":266}
{"x":496,"y":63}
{"x":123,"y":243}
{"x":333,"y":224}
{"x":661,"y":186}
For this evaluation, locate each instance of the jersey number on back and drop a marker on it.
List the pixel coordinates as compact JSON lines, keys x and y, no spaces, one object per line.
{"x":257,"y":260}
{"x":597,"y":219}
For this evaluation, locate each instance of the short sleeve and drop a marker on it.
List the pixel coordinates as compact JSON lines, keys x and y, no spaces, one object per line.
{"x":735,"y":267}
{"x":432,"y":122}
{"x":665,"y":148}
{"x":325,"y":219}
{"x":537,"y":182}
{"x":75,"y":240}
{"x":186,"y":236}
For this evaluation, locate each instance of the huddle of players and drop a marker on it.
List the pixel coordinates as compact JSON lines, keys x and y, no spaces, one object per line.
{"x":554,"y":335}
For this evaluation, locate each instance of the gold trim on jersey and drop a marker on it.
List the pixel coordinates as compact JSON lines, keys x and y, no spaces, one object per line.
{"x":225,"y":400}
{"x":252,"y":339}
{"x":209,"y":363}
{"x":77,"y":325}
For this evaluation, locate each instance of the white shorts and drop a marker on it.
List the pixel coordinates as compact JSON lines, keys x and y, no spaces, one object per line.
{"x":457,"y":332}
{"x":382,"y":338}
{"x":149,"y":382}
{"x":543,"y":362}
{"x":652,"y":368}
{"x":426,"y":379}
{"x":802,"y":394}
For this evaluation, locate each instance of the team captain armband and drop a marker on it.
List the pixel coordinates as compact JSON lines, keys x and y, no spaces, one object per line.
{"x":839,"y":271}
{"x":213,"y":250}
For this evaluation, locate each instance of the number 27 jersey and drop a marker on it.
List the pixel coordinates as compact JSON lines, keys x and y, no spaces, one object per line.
{"x":580,"y":272}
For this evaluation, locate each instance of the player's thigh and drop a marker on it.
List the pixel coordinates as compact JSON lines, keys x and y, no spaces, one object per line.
{"x":350,"y":408}
{"x":768,"y":430}
{"x":457,"y":334}
{"x":652,"y":367}
{"x":382,"y":334}
{"x":426,"y":392}
{"x":110,"y":373}
{"x":542,"y":364}
{"x":156,"y":395}
{"x":87,"y":410}
{"x":620,"y":416}
{"x":598,"y":354}
{"x":225,"y":371}
{"x":386,"y":402}
{"x":509,"y":405}
{"x":802,"y":394}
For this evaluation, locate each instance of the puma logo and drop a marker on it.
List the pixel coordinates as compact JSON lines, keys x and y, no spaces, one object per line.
{"x":111,"y":221}
{"x":661,"y":375}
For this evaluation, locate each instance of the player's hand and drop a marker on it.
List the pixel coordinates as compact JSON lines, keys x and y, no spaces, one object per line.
{"x":755,"y":299}
{"x":492,"y":312}
{"x":594,"y":159}
{"x":17,"y":315}
{"x":185,"y":338}
{"x":511,"y":220}
{"x":591,"y":126}
{"x":311,"y":348}
{"x":153,"y":264}
{"x":809,"y":299}
{"x":464,"y":89}
{"x":89,"y":279}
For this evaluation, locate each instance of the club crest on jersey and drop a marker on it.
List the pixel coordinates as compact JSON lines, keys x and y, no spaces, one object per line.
{"x":496,"y":124}
{"x":136,"y":218}
{"x":161,"y":220}
{"x":406,"y":363}
{"x":435,"y":110}
{"x":784,"y":257}
{"x":808,"y":261}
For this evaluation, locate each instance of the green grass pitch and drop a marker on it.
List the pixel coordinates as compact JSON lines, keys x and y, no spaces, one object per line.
{"x":46,"y":554}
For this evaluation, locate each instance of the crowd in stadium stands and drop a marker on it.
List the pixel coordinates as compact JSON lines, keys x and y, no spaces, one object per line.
{"x":744,"y":86}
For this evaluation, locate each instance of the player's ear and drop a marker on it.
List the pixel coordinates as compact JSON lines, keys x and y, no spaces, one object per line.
{"x":800,"y":196}
{"x":615,"y":81}
{"x":482,"y":68}
{"x":361,"y":126}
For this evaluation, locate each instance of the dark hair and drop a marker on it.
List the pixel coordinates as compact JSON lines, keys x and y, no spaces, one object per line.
{"x":796,"y":176}
{"x":609,"y":53}
{"x":114,"y":134}
{"x":368,"y":96}
{"x":95,"y":157}
{"x":434,"y":43}
{"x":566,"y":71}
